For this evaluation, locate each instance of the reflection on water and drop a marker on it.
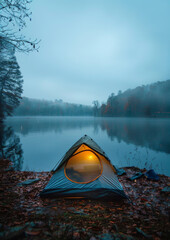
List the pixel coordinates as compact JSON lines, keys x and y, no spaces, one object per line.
{"x":151,"y":133}
{"x":10,"y":147}
{"x":127,"y":141}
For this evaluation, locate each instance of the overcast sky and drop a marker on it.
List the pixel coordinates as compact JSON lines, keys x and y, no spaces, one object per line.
{"x":92,"y":48}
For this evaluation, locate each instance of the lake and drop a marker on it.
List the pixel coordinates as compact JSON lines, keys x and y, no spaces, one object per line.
{"x":38,"y":143}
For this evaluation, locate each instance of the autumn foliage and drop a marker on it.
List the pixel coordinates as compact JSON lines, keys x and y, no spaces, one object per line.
{"x":144,"y":101}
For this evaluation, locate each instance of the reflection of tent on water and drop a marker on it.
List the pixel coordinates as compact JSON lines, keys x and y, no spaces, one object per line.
{"x":84,"y":171}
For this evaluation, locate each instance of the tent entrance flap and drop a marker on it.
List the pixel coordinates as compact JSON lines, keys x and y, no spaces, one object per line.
{"x":83,"y":167}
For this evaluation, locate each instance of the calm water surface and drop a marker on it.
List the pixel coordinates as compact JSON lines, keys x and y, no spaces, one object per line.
{"x":38,"y":143}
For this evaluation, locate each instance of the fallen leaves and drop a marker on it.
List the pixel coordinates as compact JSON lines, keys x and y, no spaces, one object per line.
{"x":32,"y":233}
{"x":82,"y":219}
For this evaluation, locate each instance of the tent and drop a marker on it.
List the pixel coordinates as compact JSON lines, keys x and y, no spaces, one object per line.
{"x":85,"y":171}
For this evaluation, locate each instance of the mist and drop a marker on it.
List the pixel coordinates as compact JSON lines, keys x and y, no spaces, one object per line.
{"x":90,"y":49}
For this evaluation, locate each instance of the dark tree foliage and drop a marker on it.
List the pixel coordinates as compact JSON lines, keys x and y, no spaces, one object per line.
{"x":95,"y":107}
{"x":144,"y":101}
{"x":10,"y":147}
{"x":10,"y":82}
{"x":13,"y":17}
{"x":35,"y":107}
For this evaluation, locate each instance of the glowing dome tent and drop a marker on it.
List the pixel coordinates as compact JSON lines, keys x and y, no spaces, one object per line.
{"x":85,"y":171}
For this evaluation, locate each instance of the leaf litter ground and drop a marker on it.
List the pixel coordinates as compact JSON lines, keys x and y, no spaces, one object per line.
{"x":24,"y":215}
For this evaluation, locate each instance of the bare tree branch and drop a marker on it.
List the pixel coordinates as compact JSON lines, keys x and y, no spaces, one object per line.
{"x":13,"y":17}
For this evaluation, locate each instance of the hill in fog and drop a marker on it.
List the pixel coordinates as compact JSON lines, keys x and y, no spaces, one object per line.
{"x":145,"y":101}
{"x":35,"y":107}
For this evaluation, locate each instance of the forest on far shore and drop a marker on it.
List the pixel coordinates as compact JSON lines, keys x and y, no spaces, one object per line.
{"x":36,"y":107}
{"x":144,"y":101}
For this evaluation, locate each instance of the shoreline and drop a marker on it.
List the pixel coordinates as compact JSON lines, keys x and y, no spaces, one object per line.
{"x":24,"y":214}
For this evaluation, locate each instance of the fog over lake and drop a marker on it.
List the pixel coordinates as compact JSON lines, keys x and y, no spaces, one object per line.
{"x":139,"y":142}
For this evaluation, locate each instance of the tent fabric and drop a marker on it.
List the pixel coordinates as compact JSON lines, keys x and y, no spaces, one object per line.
{"x":106,"y":186}
{"x":86,"y":140}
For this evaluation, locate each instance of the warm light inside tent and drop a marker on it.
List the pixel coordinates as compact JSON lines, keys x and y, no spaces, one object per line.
{"x":83,"y":167}
{"x":91,"y":157}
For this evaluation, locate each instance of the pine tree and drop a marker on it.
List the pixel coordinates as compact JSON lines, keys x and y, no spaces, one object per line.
{"x":11,"y":82}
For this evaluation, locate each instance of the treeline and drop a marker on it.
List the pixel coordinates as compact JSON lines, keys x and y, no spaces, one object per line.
{"x":144,"y":101}
{"x":34,"y":107}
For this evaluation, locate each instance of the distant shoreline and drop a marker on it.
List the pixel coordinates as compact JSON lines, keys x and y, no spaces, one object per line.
{"x":158,"y":116}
